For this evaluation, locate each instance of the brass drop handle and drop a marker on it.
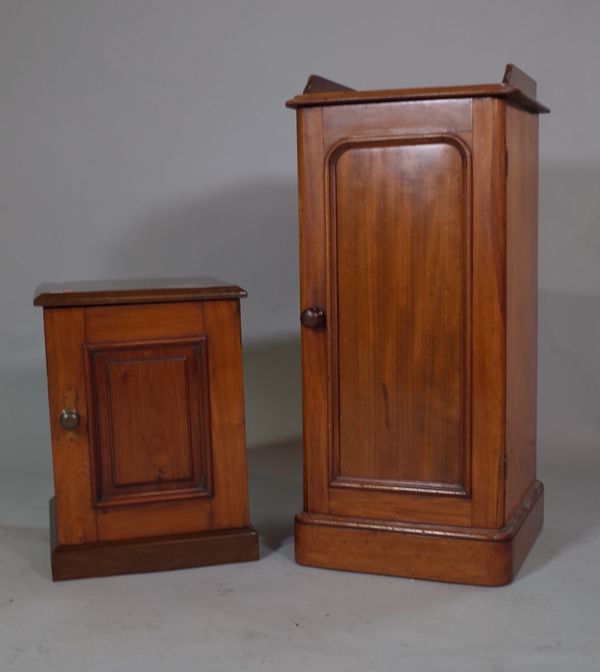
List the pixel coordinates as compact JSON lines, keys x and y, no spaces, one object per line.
{"x":69,"y":418}
{"x":312,"y":317}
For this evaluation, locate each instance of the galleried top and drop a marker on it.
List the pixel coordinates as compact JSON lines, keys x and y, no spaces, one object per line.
{"x":516,"y":87}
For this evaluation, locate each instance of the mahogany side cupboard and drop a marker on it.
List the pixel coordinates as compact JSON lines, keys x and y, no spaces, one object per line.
{"x":147,"y":425}
{"x":418,"y":228}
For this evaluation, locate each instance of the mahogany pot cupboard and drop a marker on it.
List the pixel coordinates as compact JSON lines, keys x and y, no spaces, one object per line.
{"x":418,"y":232}
{"x":147,"y":426}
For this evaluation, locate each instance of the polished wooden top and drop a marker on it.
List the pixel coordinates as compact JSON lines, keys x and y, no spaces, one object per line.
{"x":516,"y":87}
{"x":110,"y":292}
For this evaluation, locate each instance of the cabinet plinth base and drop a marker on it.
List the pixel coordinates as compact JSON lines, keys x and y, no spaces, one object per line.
{"x":150,"y":555}
{"x":479,"y":556}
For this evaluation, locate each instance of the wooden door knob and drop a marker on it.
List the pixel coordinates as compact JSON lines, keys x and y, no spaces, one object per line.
{"x":312,"y":317}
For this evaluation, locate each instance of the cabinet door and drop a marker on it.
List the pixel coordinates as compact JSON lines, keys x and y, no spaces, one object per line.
{"x":387,"y":252}
{"x":166,"y":449}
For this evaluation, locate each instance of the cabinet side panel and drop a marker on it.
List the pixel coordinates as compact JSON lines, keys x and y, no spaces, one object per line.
{"x":489,"y":312}
{"x":65,"y":335}
{"x":521,"y":290}
{"x":313,"y":292}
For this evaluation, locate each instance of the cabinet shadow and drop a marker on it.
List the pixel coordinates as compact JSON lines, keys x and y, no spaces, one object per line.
{"x":568,"y":423}
{"x":275,"y":480}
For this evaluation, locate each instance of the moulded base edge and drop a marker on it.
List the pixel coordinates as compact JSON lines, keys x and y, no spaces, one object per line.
{"x":479,"y":556}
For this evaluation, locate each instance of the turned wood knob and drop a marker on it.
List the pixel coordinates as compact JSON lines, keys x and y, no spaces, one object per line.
{"x":312,"y":317}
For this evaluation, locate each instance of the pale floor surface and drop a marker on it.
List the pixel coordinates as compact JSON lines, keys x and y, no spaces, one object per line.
{"x":276,"y":615}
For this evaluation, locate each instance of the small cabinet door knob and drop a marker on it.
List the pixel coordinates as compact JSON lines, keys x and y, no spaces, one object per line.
{"x":312,"y":317}
{"x":69,"y":418}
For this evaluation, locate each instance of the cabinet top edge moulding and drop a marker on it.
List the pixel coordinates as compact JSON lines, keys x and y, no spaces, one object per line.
{"x":516,"y":88}
{"x":114,"y":292}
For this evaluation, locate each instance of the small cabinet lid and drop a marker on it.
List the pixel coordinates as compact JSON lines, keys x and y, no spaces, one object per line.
{"x":110,"y":292}
{"x":516,"y":87}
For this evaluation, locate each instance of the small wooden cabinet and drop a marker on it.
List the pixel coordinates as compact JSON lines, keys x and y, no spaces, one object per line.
{"x":147,"y":423}
{"x":418,"y":219}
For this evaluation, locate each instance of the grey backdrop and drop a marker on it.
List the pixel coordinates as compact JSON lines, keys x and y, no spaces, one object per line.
{"x":149,"y":138}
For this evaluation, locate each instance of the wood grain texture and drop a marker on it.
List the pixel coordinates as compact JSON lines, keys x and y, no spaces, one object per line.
{"x":228,"y":430}
{"x":417,"y":383}
{"x":160,"y":451}
{"x":515,"y":77}
{"x":65,"y":332}
{"x":151,"y":322}
{"x":137,"y":395}
{"x":390,"y":120}
{"x":113,"y":326}
{"x":521,"y":307}
{"x":152,"y":554}
{"x":400,"y":323}
{"x":104,"y":292}
{"x":154,"y":519}
{"x":313,"y":292}
{"x":516,"y":88}
{"x":318,"y":84}
{"x":219,"y":323}
{"x":500,"y":91}
{"x":489,"y":313}
{"x":383,"y":299}
{"x":151,"y":412}
{"x":372,"y":500}
{"x":318,"y":145}
{"x":479,"y":556}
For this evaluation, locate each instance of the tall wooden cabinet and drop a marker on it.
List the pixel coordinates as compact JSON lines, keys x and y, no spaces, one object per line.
{"x":418,"y":227}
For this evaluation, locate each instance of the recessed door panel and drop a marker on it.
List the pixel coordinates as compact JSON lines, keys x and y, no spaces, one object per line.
{"x":151,"y":409}
{"x":399,"y":231}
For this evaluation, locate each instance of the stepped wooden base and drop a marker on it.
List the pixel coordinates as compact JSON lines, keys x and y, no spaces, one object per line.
{"x":477,"y":556}
{"x":150,"y":555}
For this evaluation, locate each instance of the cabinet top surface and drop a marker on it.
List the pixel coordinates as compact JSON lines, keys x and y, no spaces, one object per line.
{"x":110,"y":292}
{"x":516,"y":87}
